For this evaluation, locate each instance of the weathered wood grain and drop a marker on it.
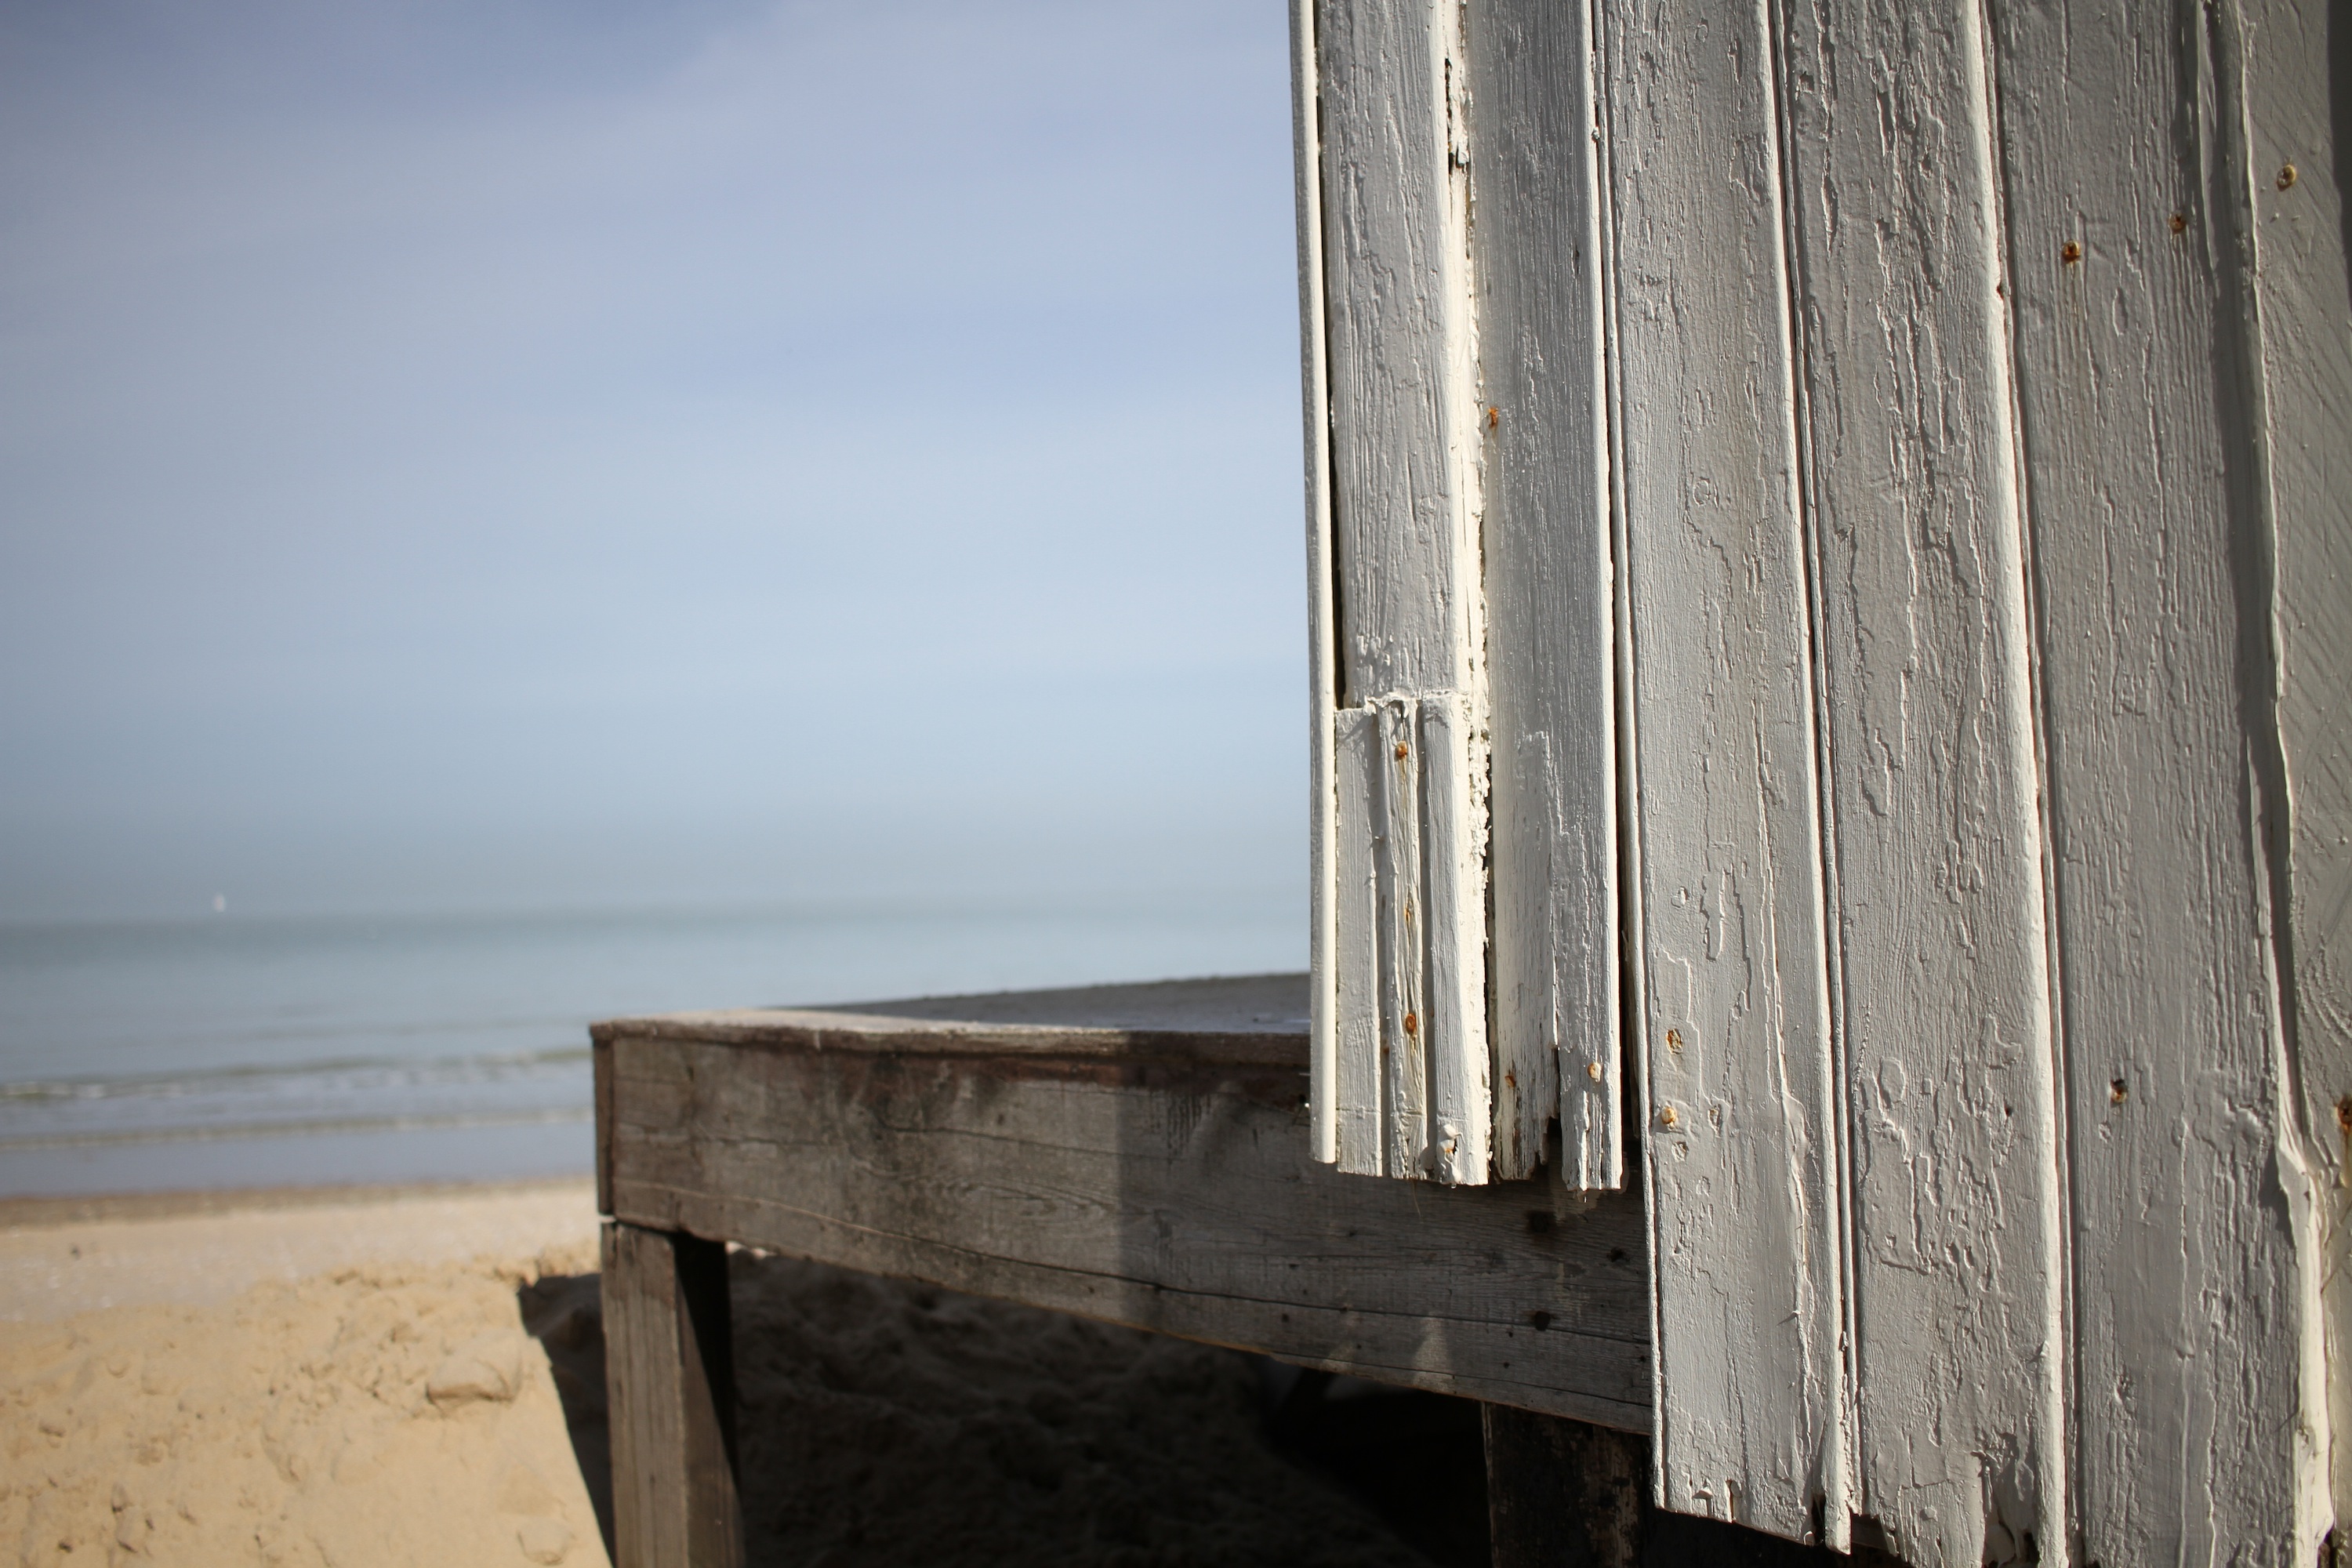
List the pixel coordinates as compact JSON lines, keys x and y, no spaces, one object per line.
{"x":1451,"y":748}
{"x":1403,"y":928}
{"x":1239,"y":1019}
{"x":2145,"y":502}
{"x":1397,"y":309}
{"x":1743,"y":1162}
{"x":2298,"y":266}
{"x":1357,"y":1107}
{"x":670,"y":1377}
{"x":1175,"y":1195}
{"x":1958,"y":1263}
{"x":1322,"y":633}
{"x":1549,"y":590}
{"x":1399,"y":367}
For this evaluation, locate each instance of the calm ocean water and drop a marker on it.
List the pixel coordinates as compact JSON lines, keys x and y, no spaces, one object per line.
{"x":238,"y":1051}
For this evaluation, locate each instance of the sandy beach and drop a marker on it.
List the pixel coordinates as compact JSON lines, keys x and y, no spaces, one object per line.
{"x":382,"y":1376}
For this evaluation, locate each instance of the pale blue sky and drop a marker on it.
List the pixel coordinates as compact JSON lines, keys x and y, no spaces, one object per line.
{"x":523,"y":453}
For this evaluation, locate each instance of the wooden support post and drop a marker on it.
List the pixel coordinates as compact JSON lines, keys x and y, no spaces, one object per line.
{"x":1563,"y":1494}
{"x":670,"y":1379}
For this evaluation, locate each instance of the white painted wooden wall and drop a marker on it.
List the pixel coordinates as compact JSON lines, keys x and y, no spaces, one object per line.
{"x":1856,"y":500}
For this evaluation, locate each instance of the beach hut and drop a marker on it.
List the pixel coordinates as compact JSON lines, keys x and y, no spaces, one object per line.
{"x":1831,"y":626}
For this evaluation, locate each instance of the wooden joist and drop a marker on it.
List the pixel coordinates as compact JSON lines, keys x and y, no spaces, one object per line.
{"x":1135,"y":1154}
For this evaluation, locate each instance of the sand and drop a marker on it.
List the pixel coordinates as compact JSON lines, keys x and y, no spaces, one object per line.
{"x":356,"y":1380}
{"x":308,"y":1384}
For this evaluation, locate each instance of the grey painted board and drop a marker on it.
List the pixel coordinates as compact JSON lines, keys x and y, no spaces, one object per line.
{"x":1322,"y":636}
{"x":1744,"y":1138}
{"x":1402,"y":915}
{"x":1178,"y":1195}
{"x":1448,"y":739}
{"x":1549,"y":590}
{"x":2298,"y":214}
{"x":1392,"y":210}
{"x":1397,"y":313}
{"x":1957,"y":1272}
{"x":2127,"y":176}
{"x":1354,"y":1103}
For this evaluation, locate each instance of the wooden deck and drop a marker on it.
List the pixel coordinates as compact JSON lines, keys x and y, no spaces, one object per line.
{"x":1139,"y":1154}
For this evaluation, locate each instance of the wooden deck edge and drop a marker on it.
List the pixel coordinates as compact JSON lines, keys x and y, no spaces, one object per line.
{"x":1181,"y":1198}
{"x":1324,"y":1337}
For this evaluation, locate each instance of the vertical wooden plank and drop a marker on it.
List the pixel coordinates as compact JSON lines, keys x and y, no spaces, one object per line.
{"x":1743,"y":1167}
{"x":1397,"y":308}
{"x":600,"y":1056}
{"x":1322,"y":649}
{"x":1461,"y":1096}
{"x":1400,"y":347}
{"x":670,"y":1385}
{"x":1395,"y":826}
{"x":2145,"y":498}
{"x":1562,"y":1494}
{"x":1355,"y":1092}
{"x":1548,"y":588}
{"x":1958,"y":1211}
{"x":2298,"y":93}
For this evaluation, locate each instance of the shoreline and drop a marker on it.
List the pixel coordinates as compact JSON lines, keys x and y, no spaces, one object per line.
{"x":39,"y":1211}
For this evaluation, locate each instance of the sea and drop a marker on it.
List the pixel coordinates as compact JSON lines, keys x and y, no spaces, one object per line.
{"x":234,"y":1051}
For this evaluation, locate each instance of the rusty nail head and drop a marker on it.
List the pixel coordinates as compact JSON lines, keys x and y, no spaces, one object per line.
{"x":2286,"y":176}
{"x":2069,"y":253}
{"x":1412,"y":1024}
{"x":1399,"y":754}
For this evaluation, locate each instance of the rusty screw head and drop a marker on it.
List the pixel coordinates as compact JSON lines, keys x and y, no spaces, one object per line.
{"x":2180,"y":223}
{"x":2069,"y":253}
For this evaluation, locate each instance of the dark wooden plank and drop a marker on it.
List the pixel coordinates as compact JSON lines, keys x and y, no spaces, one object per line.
{"x":670,"y":1383}
{"x":1563,"y":1494}
{"x":1174,"y":1194}
{"x":601,"y":1058}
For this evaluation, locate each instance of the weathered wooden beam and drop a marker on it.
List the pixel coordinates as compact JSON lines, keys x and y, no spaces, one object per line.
{"x":1131,"y":1177}
{"x":1391,"y":200}
{"x":2147,"y":499}
{"x":670,"y":1386}
{"x":1940,"y":952}
{"x":1745,"y":1139}
{"x":1536,"y":254}
{"x":2297,"y":94}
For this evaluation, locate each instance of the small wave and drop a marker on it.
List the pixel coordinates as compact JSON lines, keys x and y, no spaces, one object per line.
{"x":246,"y":1132}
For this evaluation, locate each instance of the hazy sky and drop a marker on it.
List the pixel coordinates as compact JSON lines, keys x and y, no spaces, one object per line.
{"x":513,"y":453}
